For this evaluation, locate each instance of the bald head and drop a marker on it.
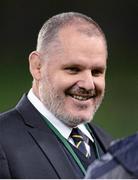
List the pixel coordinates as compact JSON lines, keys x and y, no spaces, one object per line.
{"x":49,"y":33}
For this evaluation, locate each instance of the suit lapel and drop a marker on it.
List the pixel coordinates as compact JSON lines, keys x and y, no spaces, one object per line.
{"x":45,"y":139}
{"x":53,"y":150}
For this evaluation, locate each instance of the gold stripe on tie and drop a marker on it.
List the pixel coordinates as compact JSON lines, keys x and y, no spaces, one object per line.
{"x":78,"y":144}
{"x":77,"y":136}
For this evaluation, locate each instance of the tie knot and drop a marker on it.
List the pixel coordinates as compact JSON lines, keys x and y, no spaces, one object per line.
{"x":78,"y":135}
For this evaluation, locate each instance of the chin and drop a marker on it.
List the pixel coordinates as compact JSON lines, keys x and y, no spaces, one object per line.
{"x":82,"y":119}
{"x":73,"y":120}
{"x":85,"y":116}
{"x":86,"y":120}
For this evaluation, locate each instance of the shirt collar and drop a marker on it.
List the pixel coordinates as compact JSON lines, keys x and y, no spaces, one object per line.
{"x":59,"y":125}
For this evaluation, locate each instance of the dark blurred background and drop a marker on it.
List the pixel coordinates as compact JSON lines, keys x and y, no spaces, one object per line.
{"x":19,"y":26}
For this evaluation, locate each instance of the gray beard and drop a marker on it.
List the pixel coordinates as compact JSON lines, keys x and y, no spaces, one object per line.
{"x":57,"y":110}
{"x":55,"y":104}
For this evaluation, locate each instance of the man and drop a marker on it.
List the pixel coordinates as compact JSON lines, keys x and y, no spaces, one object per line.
{"x":121,"y":161}
{"x":68,"y":70}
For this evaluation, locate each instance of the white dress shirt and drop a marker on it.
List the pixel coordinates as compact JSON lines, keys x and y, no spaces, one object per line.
{"x":64,"y":130}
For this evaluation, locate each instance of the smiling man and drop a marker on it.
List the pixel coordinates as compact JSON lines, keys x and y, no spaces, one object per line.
{"x":48,"y":135}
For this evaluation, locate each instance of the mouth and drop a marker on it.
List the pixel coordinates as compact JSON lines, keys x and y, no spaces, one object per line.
{"x":80,"y":94}
{"x":81,"y":97}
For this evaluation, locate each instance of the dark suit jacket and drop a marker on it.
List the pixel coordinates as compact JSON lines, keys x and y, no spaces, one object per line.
{"x":29,"y":149}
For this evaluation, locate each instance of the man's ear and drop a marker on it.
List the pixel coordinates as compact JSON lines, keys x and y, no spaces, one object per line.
{"x":35,"y":65}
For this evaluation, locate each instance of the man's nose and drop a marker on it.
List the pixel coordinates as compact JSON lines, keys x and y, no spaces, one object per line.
{"x":86,"y":81}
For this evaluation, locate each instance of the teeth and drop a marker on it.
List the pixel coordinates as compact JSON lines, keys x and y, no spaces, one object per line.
{"x":80,"y":97}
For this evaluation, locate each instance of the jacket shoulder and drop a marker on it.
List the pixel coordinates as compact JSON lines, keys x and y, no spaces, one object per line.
{"x":11,"y":124}
{"x":8,"y":116}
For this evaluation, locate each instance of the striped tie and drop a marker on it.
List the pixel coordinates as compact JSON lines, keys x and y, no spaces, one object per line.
{"x":79,"y":139}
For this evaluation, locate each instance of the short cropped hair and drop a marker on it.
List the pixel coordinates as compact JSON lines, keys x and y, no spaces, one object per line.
{"x":49,"y":31}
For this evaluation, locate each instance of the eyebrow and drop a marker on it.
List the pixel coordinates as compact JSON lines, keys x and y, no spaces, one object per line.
{"x":82,"y":66}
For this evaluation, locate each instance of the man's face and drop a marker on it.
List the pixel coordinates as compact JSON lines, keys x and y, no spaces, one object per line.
{"x":73,"y":79}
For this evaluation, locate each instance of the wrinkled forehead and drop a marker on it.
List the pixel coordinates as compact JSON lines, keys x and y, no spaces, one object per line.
{"x":81,"y":36}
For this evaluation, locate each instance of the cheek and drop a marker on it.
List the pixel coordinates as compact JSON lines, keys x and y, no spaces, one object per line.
{"x":100,"y":85}
{"x":60,"y":81}
{"x":58,"y":85}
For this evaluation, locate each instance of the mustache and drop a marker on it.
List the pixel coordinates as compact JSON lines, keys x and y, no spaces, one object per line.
{"x":81,"y":91}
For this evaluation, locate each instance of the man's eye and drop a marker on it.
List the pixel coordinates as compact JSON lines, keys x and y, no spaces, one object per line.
{"x":97,"y":72}
{"x":72,"y":70}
